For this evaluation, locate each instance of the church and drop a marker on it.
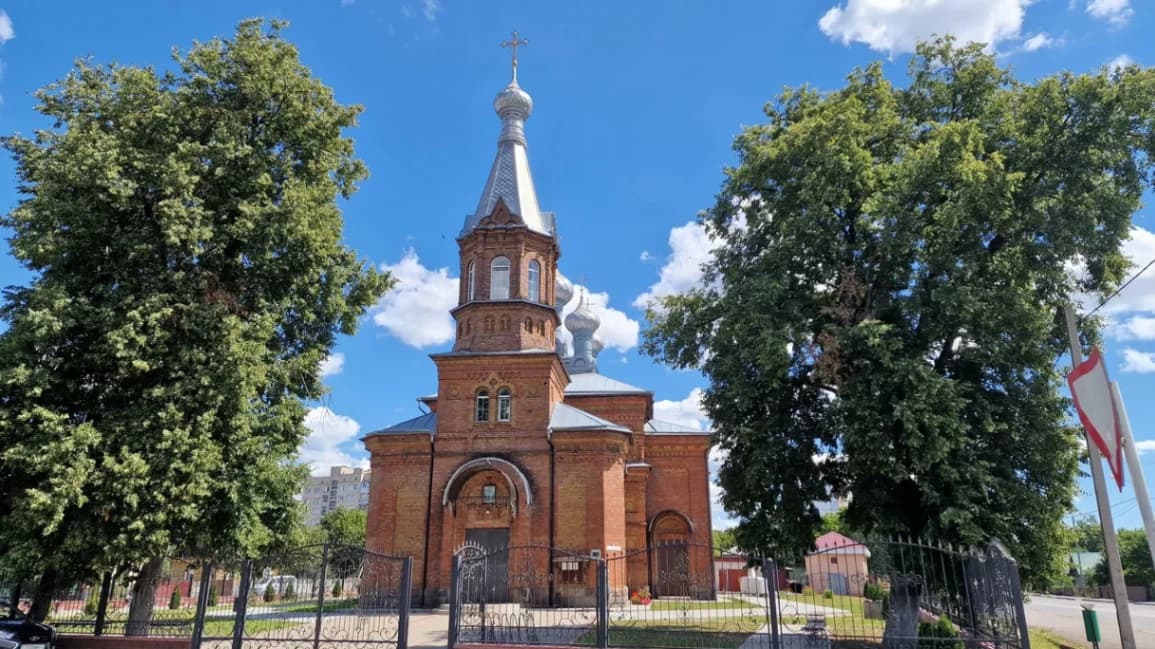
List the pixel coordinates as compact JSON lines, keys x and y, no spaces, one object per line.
{"x":525,"y":441}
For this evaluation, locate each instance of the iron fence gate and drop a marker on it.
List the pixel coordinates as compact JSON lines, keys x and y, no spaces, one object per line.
{"x":321,"y":596}
{"x":895,"y":594}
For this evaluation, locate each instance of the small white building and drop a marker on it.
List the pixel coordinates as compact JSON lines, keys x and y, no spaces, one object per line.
{"x":345,"y":487}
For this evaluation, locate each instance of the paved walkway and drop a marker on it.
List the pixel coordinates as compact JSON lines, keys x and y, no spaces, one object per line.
{"x":428,"y":630}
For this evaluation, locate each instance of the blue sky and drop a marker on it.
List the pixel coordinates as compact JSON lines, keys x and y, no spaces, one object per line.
{"x":636,"y":104}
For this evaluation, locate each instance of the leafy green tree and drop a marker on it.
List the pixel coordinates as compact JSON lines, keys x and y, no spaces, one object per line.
{"x":184,"y":236}
{"x":881,"y":314}
{"x":834,"y":522}
{"x":724,"y":540}
{"x":1135,"y":555}
{"x":174,"y":599}
{"x":1086,"y":535}
{"x":344,"y":530}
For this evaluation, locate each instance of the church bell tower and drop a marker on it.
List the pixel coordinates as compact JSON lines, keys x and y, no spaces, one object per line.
{"x":508,"y":247}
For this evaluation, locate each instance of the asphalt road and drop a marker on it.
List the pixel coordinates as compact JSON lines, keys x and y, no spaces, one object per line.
{"x":1064,"y":616}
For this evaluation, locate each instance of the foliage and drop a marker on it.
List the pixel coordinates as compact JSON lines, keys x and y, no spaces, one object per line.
{"x":937,"y":634}
{"x":270,"y":593}
{"x":1086,"y":535}
{"x":828,"y":594}
{"x":880,"y":315}
{"x":344,"y":530}
{"x":92,"y":602}
{"x":834,"y":522}
{"x":213,"y":596}
{"x":290,"y":591}
{"x":189,"y":278}
{"x":724,"y":540}
{"x":1135,"y":555}
{"x":873,"y":591}
{"x":337,"y":588}
{"x":174,"y":599}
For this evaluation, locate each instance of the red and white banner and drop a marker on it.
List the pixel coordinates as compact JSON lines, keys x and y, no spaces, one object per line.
{"x":1096,"y":406}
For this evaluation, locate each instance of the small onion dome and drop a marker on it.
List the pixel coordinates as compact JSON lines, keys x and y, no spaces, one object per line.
{"x":513,"y":101}
{"x":597,"y":344}
{"x":582,"y":320}
{"x":563,"y":290}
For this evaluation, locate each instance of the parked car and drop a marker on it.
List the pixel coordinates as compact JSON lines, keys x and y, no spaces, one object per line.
{"x":280,"y":584}
{"x":19,"y":632}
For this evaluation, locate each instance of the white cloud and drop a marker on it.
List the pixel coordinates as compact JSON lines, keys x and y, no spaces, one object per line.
{"x":1137,"y":361}
{"x":646,"y":256}
{"x":6,"y":31}
{"x":1139,"y":297}
{"x":1039,"y":41}
{"x":617,"y":331}
{"x":332,"y":365}
{"x":416,"y":311}
{"x":1119,"y":62}
{"x":690,"y":247}
{"x":1116,"y":12}
{"x":1145,"y":446}
{"x":895,"y":26}
{"x":327,"y":432}
{"x":1137,"y":328}
{"x":687,"y":412}
{"x":430,"y":9}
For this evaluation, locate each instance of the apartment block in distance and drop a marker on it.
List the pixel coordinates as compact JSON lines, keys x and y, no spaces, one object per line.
{"x":345,"y":487}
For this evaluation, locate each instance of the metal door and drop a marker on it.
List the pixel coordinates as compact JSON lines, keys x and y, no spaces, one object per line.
{"x":494,"y":543}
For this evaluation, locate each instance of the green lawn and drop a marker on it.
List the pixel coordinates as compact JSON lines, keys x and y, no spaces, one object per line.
{"x":678,"y":604}
{"x":1044,"y":639}
{"x":715,"y":633}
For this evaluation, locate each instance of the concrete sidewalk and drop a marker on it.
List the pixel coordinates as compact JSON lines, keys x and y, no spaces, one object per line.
{"x":428,"y":629}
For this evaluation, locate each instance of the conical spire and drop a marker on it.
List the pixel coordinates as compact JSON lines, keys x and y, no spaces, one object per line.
{"x":510,"y":180}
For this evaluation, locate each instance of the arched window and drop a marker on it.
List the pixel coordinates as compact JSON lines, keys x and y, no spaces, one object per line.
{"x":504,"y":405}
{"x":482,"y":413}
{"x":534,"y":281}
{"x":499,"y":279}
{"x":472,"y":281}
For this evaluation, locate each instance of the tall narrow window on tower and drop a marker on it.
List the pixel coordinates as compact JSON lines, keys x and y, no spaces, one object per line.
{"x":472,"y":281}
{"x":482,"y":405}
{"x":499,"y":279}
{"x":504,"y":405}
{"x":534,"y":281}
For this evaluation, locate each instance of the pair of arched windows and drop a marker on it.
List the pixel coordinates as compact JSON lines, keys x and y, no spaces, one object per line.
{"x":504,"y":405}
{"x":499,"y":280}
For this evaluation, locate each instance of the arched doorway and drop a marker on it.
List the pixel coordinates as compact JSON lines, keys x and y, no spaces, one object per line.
{"x":670,"y":554}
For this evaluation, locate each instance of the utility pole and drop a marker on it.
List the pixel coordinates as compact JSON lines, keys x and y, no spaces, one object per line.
{"x":1135,"y":468}
{"x":1110,"y":541}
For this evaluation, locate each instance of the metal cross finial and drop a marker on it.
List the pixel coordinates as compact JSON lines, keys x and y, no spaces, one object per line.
{"x":514,"y":43}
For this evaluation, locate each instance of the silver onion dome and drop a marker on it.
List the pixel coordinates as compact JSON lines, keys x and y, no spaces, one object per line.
{"x":582,"y":320}
{"x":597,"y":344}
{"x":562,"y":290}
{"x":513,"y":102}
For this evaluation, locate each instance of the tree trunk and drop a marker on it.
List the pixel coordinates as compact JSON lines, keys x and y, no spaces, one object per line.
{"x":902,"y":622}
{"x":143,"y":598}
{"x":42,"y":596}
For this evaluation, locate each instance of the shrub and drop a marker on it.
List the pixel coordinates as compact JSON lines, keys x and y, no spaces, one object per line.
{"x":213,"y":596}
{"x":873,"y":592}
{"x":174,"y":599}
{"x":92,"y":604}
{"x":336,"y":588}
{"x":641,"y":596}
{"x":289,"y":591}
{"x":938,"y":635}
{"x":270,"y":593}
{"x":885,"y":604}
{"x":828,"y":594}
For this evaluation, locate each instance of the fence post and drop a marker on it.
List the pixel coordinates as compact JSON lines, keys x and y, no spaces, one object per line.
{"x":770,"y":575}
{"x":454,"y":600}
{"x":202,"y":605}
{"x":1020,"y":613}
{"x":241,"y":604}
{"x":102,"y":603}
{"x":603,"y":601}
{"x":321,"y":598}
{"x":404,"y":601}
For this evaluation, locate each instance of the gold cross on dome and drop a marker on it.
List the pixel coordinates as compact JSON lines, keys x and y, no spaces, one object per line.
{"x":514,"y":43}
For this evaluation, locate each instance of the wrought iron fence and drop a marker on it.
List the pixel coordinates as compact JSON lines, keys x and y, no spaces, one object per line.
{"x":897,"y":594}
{"x":310,"y":597}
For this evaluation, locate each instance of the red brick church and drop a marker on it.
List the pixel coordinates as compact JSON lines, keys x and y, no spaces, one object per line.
{"x":525,"y":441}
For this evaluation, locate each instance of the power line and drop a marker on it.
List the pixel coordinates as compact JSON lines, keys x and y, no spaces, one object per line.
{"x":1120,"y":289}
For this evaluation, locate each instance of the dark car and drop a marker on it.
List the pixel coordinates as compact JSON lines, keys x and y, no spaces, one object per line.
{"x":18,"y":632}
